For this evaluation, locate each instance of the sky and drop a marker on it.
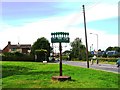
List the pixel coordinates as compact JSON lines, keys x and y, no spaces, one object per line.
{"x":25,"y":21}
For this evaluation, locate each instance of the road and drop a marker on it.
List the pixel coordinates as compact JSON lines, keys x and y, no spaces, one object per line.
{"x":105,"y":67}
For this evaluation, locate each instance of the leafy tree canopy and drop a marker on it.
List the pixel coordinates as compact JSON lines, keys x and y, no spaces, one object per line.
{"x":41,"y":43}
{"x":78,"y":49}
{"x":113,"y":49}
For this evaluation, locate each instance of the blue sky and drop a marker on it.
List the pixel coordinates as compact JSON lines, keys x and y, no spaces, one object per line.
{"x":54,"y":16}
{"x":110,"y":25}
{"x":19,"y":12}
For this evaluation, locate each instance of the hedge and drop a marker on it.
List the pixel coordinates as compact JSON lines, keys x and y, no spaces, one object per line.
{"x":108,"y":59}
{"x":17,"y":57}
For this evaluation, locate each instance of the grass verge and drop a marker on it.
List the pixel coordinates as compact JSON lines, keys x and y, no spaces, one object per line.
{"x":38,"y":75}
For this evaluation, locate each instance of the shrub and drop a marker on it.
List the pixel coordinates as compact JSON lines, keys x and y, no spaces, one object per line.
{"x":75,"y":59}
{"x":108,"y":59}
{"x":16,"y":56}
{"x":19,"y":54}
{"x":65,"y":57}
{"x":104,"y":55}
{"x":115,"y":55}
{"x":41,"y":55}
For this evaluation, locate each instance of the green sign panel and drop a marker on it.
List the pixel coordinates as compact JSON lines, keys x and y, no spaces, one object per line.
{"x":58,"y":37}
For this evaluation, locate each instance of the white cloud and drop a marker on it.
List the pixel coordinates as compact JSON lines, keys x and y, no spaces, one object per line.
{"x":103,"y":11}
{"x":97,"y":12}
{"x":31,"y":31}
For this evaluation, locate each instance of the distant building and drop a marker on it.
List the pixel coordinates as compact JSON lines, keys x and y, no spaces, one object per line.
{"x":22,"y":48}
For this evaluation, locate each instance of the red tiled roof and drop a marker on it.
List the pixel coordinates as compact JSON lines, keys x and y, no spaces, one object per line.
{"x":20,"y":46}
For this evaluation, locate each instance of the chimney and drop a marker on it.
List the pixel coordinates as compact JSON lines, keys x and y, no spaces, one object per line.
{"x":9,"y":43}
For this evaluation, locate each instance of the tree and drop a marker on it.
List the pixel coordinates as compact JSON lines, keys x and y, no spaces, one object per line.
{"x":116,"y":49}
{"x":109,"y":49}
{"x":113,"y":49}
{"x":41,"y":43}
{"x":78,"y":49}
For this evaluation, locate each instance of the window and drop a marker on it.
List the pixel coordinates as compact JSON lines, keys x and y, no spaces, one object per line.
{"x":13,"y":49}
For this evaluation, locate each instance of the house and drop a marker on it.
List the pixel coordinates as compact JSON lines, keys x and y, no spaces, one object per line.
{"x":22,"y":48}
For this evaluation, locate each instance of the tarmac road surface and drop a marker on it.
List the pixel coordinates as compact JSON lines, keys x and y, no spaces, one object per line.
{"x":105,"y":67}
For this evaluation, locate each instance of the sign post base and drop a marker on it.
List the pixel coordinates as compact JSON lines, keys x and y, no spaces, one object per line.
{"x":61,"y":78}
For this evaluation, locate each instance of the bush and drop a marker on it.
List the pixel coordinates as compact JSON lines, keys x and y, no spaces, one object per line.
{"x":65,"y":57}
{"x":19,"y":54}
{"x":108,"y":59}
{"x":114,"y":56}
{"x":75,"y":59}
{"x":16,"y":56}
{"x":104,"y":55}
{"x":41,"y":55}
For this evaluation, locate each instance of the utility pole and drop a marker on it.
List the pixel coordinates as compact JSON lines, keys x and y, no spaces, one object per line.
{"x":85,"y":37}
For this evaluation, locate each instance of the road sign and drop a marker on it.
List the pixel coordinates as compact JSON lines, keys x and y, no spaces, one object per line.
{"x":58,"y":37}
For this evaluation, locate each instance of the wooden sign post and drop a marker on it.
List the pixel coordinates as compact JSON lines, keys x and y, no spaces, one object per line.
{"x":60,"y":37}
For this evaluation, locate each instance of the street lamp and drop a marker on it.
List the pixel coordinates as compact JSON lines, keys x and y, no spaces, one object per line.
{"x":97,"y":44}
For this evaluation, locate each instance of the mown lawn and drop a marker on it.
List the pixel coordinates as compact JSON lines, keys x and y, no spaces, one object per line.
{"x":38,"y":75}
